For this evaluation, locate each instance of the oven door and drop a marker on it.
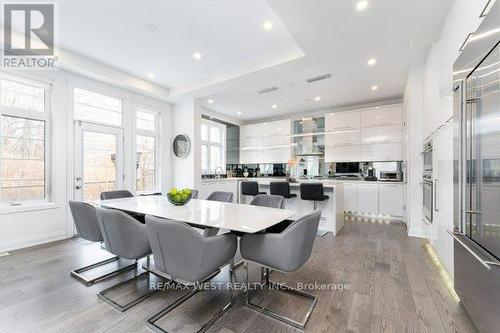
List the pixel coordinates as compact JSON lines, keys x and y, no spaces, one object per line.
{"x":427,"y":200}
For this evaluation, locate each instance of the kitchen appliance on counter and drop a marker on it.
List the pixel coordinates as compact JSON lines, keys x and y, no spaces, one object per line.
{"x":476,"y":231}
{"x":371,"y":175}
{"x":391,"y":176}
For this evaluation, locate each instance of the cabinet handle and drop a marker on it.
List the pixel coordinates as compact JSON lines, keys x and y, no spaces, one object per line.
{"x":436,"y":183}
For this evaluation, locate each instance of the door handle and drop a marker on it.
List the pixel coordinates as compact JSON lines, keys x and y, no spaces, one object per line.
{"x":486,"y":263}
{"x":78,"y":183}
{"x":472,"y":212}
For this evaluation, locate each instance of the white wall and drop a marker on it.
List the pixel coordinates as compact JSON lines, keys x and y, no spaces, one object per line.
{"x":27,"y":226}
{"x":437,"y":109}
{"x":186,"y":120}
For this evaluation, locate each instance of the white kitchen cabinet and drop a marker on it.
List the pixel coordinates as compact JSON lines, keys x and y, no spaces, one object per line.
{"x":382,"y":152}
{"x":350,"y":197}
{"x":382,"y":134}
{"x":367,"y":198}
{"x":343,"y":137}
{"x":382,"y":116}
{"x":342,"y":121}
{"x":391,"y":199}
{"x":343,"y":154}
{"x":267,"y":142}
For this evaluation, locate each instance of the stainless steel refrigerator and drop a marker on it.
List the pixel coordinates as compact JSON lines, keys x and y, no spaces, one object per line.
{"x":476,"y":229}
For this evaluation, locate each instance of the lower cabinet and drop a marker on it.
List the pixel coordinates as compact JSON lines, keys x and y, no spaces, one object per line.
{"x":374,"y":198}
{"x":391,"y":199}
{"x":368,"y":198}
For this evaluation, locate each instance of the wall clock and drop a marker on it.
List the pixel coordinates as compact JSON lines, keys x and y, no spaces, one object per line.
{"x":181,"y":145}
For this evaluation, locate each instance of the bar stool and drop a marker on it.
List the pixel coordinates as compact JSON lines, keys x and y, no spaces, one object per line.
{"x":281,"y":188}
{"x":314,"y":192}
{"x":250,"y":188}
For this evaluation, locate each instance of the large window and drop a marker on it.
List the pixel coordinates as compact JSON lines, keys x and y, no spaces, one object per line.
{"x":93,"y":107}
{"x":24,"y":110}
{"x":213,"y":147}
{"x":147,"y":140}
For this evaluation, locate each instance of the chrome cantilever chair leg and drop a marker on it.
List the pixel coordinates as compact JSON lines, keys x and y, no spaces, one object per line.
{"x":123,"y":307}
{"x":320,"y":232}
{"x":197,"y":288}
{"x":77,"y":273}
{"x":281,"y":287}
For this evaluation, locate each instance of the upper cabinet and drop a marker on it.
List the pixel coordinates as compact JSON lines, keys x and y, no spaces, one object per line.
{"x":382,"y":116}
{"x":267,"y":142}
{"x":342,"y":121}
{"x":382,"y":134}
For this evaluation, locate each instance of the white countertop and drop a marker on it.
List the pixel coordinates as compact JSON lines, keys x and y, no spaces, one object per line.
{"x":326,"y":181}
{"x":204,"y":213}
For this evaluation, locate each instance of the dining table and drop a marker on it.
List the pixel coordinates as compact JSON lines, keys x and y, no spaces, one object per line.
{"x":209,"y":215}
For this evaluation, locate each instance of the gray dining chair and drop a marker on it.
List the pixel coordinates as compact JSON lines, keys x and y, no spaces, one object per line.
{"x":184,"y":256}
{"x":117,"y":194}
{"x":295,"y":245}
{"x":267,"y":200}
{"x":125,"y":237}
{"x":221,"y":196}
{"x":87,"y":227}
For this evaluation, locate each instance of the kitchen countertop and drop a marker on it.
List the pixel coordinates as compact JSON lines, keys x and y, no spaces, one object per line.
{"x":326,"y":181}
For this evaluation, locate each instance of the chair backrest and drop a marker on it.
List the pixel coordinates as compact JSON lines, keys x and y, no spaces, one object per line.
{"x":221,"y":196}
{"x":249,"y":188}
{"x":266,"y":200}
{"x":312,"y":191}
{"x":182,"y":253}
{"x":300,"y":235}
{"x":116,"y":194}
{"x":123,"y":235}
{"x":85,"y":219}
{"x":280,"y":188}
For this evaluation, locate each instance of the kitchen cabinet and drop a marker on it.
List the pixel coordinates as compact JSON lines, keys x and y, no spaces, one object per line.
{"x":350,"y":197}
{"x":382,"y":134}
{"x":367,"y":198}
{"x":343,"y":154}
{"x":343,"y":138}
{"x":267,"y":142}
{"x":391,"y":199}
{"x":382,"y":116}
{"x":382,"y":152}
{"x":342,"y":121}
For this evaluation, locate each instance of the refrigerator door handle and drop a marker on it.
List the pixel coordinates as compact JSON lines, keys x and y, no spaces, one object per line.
{"x":486,"y":263}
{"x":436,"y":183}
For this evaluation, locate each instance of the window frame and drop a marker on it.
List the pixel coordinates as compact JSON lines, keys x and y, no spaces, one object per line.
{"x":157,"y":136}
{"x":44,"y":116}
{"x":222,"y":145}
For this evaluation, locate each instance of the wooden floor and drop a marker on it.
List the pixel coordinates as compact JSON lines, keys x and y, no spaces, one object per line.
{"x":391,"y":285}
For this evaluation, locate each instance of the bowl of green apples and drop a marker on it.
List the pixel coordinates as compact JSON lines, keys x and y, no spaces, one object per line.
{"x":179,"y":197}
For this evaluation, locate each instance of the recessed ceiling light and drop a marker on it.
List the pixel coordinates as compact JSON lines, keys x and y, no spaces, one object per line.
{"x":239,"y":112}
{"x":197,"y":55}
{"x":210,"y":101}
{"x":374,"y":87}
{"x":371,"y":61}
{"x":317,"y":98}
{"x":274,"y":106}
{"x":362,"y":5}
{"x":268,"y":25}
{"x":151,"y":75}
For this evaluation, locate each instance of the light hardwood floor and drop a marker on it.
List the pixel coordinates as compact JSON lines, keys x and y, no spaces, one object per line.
{"x":394,"y":286}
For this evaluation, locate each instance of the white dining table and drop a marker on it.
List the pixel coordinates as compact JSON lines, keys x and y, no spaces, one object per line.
{"x":204,"y":213}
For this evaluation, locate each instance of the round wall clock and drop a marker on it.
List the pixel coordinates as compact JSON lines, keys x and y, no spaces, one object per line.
{"x":181,"y":145}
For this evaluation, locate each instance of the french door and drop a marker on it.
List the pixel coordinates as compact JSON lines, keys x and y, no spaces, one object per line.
{"x":98,"y":160}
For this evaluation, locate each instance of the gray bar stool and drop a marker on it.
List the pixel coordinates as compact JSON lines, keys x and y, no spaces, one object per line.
{"x":314,"y":192}
{"x":281,"y":188}
{"x":184,"y":256}
{"x":295,"y":245}
{"x":126,"y":237}
{"x":87,"y":227}
{"x":250,"y":188}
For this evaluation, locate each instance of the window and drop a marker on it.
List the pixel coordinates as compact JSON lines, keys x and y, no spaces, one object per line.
{"x":213,"y":146}
{"x":147,"y":140}
{"x":98,"y":108}
{"x":23,"y":141}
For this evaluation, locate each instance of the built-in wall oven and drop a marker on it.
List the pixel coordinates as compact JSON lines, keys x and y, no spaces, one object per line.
{"x":476,"y":231}
{"x":427,"y":154}
{"x":427,"y":197}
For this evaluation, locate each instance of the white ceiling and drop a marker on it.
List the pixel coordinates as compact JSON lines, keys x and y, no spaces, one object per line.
{"x":239,"y":57}
{"x":160,"y":37}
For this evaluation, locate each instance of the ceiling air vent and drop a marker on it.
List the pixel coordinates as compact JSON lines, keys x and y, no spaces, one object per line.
{"x":268,"y":90}
{"x":319,"y":78}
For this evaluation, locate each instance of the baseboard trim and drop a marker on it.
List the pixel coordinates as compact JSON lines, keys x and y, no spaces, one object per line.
{"x":33,"y":241}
